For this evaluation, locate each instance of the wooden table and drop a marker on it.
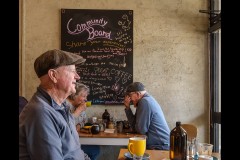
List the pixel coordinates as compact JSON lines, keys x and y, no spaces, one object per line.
{"x":156,"y":154}
{"x":103,"y":138}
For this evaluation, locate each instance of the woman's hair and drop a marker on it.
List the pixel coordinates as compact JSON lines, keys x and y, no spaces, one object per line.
{"x":80,"y":87}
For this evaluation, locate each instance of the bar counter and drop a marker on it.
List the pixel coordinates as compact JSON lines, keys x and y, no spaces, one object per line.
{"x":103,"y":138}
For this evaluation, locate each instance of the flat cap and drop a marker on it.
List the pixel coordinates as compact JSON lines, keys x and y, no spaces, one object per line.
{"x":55,"y":58}
{"x":135,"y":87}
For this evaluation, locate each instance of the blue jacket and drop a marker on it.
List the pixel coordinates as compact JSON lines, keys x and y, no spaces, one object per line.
{"x":47,"y":131}
{"x":150,"y":121}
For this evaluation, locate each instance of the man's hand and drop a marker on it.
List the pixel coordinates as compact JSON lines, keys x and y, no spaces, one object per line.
{"x":127,"y":101}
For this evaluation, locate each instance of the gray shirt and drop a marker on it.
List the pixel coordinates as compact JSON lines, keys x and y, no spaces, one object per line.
{"x":150,"y":121}
{"x":47,"y":131}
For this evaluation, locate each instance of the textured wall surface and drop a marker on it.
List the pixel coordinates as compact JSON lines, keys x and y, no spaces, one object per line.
{"x":170,"y":52}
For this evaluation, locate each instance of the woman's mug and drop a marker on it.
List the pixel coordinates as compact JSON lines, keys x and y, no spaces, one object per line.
{"x":88,"y":103}
{"x":137,"y":145}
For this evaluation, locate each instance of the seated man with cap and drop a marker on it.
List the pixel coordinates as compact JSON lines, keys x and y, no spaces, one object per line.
{"x":149,"y":119}
{"x":46,"y":126}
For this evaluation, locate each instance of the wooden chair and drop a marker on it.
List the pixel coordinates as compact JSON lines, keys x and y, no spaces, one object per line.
{"x":191,"y":130}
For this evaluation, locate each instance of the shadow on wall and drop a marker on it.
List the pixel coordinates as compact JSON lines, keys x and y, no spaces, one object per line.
{"x":198,"y":121}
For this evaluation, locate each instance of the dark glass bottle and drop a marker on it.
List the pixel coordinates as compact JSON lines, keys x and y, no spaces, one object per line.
{"x":106,"y":117}
{"x":178,"y":143}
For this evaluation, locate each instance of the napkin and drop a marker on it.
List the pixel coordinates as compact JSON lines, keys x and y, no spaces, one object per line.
{"x":109,"y":130}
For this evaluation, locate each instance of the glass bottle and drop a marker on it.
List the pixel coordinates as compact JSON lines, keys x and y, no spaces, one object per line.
{"x":178,"y":143}
{"x":106,"y":117}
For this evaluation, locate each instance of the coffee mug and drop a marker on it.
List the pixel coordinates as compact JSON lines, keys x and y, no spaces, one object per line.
{"x":88,"y":103}
{"x":137,"y":145}
{"x":94,"y":120}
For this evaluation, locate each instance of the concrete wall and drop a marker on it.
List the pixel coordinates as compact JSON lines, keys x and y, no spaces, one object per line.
{"x":170,"y":52}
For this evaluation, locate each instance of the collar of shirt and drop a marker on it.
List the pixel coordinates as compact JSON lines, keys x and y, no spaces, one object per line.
{"x":52,"y":101}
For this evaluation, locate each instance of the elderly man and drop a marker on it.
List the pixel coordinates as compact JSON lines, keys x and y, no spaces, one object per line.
{"x":46,"y":126}
{"x":149,"y":119}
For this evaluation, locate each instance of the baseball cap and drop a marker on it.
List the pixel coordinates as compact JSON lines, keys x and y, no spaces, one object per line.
{"x":55,"y":58}
{"x":135,"y":87}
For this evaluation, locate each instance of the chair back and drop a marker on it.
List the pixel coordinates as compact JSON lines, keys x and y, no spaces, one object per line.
{"x":22,"y":103}
{"x":191,"y":130}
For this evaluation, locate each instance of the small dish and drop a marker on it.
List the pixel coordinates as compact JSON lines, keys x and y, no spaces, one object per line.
{"x":146,"y":156}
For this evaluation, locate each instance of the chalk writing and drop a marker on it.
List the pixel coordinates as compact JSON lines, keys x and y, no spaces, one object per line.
{"x":88,"y":26}
{"x":105,"y":39}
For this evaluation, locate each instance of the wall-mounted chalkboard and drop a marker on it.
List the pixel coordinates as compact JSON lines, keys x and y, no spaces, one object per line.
{"x":105,"y":39}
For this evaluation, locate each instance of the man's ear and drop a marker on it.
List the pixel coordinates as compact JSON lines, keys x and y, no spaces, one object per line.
{"x":52,"y":75}
{"x":138,"y":94}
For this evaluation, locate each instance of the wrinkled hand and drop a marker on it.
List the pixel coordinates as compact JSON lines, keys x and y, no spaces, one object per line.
{"x":81,"y":107}
{"x":127,"y":101}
